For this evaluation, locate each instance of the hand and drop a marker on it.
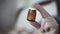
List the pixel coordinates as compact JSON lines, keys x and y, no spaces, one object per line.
{"x":48,"y":24}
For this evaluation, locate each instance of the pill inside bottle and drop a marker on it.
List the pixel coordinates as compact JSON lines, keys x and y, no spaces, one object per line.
{"x":31,"y":15}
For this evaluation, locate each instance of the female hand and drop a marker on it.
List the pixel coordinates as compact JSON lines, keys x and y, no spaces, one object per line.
{"x":48,"y":24}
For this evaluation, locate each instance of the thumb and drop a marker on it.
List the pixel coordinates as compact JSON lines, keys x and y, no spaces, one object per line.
{"x":35,"y":24}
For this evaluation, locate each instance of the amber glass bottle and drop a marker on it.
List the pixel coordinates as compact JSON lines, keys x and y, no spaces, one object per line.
{"x":31,"y":15}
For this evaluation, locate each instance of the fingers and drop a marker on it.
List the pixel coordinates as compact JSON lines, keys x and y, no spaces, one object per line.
{"x":35,"y":24}
{"x":43,"y":30}
{"x":47,"y":29}
{"x":41,"y":10}
{"x":54,"y":31}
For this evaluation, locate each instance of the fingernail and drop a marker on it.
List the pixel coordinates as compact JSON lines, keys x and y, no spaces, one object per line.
{"x":47,"y":30}
{"x":35,"y":5}
{"x":43,"y":31}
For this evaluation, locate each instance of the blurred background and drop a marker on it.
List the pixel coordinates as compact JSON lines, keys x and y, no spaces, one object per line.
{"x":13,"y":15}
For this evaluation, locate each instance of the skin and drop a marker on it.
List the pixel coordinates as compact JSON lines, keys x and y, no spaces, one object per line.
{"x":48,"y":24}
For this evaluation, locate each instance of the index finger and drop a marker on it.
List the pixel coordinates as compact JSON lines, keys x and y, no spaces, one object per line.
{"x":43,"y":12}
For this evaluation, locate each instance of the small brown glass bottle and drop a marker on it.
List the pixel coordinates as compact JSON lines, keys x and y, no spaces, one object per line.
{"x":31,"y":15}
